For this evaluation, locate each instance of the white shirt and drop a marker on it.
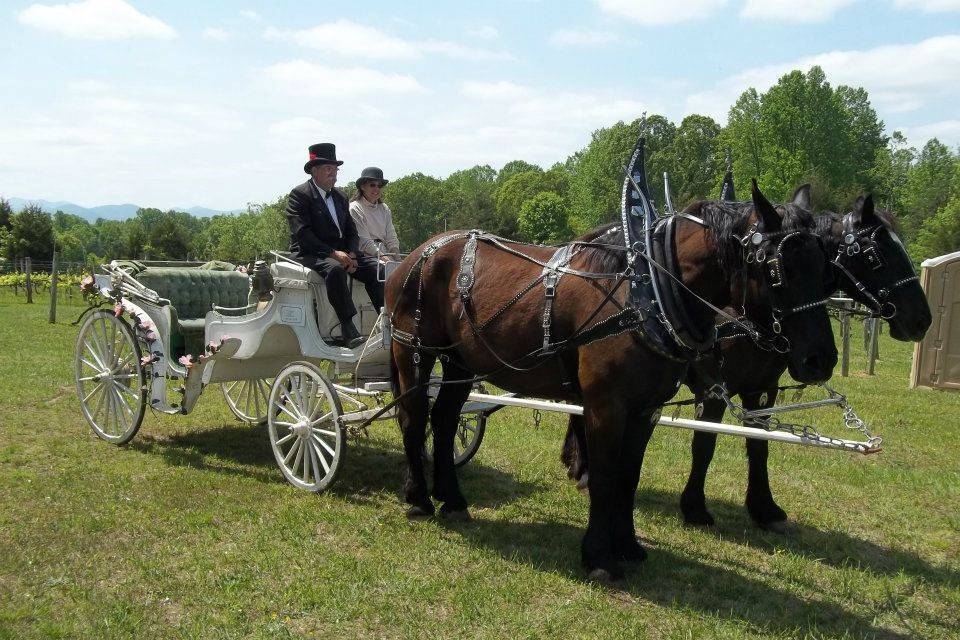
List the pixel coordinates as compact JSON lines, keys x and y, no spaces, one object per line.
{"x":331,"y":206}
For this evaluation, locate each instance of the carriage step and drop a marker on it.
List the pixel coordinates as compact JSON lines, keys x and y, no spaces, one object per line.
{"x":383,"y":385}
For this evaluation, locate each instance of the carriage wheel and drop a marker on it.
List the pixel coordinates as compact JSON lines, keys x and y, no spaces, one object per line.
{"x":467,"y":440}
{"x":248,"y":399}
{"x":110,"y":378}
{"x":303,"y":419}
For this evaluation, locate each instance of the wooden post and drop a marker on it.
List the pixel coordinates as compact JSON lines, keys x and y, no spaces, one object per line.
{"x":53,"y":289}
{"x":872,"y":349}
{"x":29,"y":285}
{"x":845,"y":342}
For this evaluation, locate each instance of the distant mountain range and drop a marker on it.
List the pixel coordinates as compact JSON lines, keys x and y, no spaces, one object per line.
{"x":107,"y":211}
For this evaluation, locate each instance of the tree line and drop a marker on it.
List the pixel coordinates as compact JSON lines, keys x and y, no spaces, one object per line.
{"x":800,"y":130}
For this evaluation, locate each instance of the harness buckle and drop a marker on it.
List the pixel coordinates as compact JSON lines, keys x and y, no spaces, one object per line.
{"x":550,"y":284}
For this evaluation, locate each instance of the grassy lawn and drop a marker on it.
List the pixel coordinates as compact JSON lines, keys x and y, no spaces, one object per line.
{"x":191,"y":531}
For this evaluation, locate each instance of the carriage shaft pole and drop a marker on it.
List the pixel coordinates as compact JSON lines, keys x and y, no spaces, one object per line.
{"x":683,"y":423}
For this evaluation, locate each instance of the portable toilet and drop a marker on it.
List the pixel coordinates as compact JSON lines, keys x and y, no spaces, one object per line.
{"x":936,"y":359}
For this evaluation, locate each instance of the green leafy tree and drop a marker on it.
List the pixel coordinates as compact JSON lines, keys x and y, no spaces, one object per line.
{"x":929,"y":183}
{"x":595,"y":187}
{"x":694,"y":160}
{"x":939,"y":233}
{"x":888,"y":175}
{"x":6,"y":212}
{"x":512,"y":168}
{"x":521,"y":187}
{"x":468,"y":199}
{"x":543,"y":219}
{"x":416,"y":202}
{"x":31,"y":235}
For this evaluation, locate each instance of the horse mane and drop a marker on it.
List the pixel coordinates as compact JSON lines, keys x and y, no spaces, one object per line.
{"x":730,"y":221}
{"x":829,"y":226}
{"x":727,"y":222}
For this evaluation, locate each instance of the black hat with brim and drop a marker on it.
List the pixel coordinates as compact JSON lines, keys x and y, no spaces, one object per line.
{"x":371,"y":173}
{"x":321,"y":153}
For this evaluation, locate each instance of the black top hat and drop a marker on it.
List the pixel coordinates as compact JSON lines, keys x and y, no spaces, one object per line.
{"x":322,"y":153}
{"x":371,"y":173}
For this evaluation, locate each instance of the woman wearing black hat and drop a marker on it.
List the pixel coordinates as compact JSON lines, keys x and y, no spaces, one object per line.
{"x":372,"y":217}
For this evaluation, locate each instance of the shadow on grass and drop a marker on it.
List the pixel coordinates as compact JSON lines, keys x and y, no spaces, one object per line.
{"x":835,"y":548}
{"x":674,"y":580}
{"x":370,"y":466}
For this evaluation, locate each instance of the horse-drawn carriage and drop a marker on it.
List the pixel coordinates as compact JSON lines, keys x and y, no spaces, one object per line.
{"x":265,"y":338}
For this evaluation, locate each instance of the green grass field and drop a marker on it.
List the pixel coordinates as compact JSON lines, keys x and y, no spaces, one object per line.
{"x":191,"y":531}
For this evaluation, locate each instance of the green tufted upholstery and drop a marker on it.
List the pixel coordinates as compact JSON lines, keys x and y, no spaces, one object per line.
{"x":192,"y":293}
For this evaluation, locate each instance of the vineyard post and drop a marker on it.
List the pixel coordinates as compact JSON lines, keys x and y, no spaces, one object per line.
{"x":53,"y":289}
{"x":27,"y":267}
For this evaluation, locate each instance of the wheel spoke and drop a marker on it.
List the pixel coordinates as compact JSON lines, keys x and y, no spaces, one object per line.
{"x":320,"y":456}
{"x":96,"y":388}
{"x":283,"y":408}
{"x":121,"y":398}
{"x":307,"y":463}
{"x":287,"y":437}
{"x":94,"y":352}
{"x":126,"y":389}
{"x":255,"y":391}
{"x":325,"y":445}
{"x":119,"y":413}
{"x":293,"y":450}
{"x":298,"y":458}
{"x":91,"y":365}
{"x":322,"y":419}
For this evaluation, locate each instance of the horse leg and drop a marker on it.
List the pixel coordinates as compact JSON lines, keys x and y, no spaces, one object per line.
{"x":445,"y":418}
{"x":412,"y":416}
{"x":635,"y":440}
{"x":574,"y":452}
{"x":600,"y":548}
{"x":761,"y":506}
{"x":693,"y":501}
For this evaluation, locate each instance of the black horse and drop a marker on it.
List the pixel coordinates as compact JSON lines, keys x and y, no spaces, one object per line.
{"x":868,"y":263}
{"x":465,"y":298}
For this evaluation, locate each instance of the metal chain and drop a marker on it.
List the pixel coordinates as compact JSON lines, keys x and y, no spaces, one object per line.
{"x":770,"y":423}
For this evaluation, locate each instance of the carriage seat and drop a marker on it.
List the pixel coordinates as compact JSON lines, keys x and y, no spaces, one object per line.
{"x":192,"y":293}
{"x":327,"y":320}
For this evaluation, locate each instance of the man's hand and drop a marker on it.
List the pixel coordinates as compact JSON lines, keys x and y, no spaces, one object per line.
{"x":346,"y":260}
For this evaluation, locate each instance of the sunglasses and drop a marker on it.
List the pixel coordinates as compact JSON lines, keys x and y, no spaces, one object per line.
{"x":378,"y":185}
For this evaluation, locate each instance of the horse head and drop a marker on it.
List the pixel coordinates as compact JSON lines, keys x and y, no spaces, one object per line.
{"x":876,"y":271}
{"x":788,"y":265}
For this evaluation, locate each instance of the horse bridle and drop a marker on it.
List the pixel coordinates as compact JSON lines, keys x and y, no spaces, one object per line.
{"x":755,"y":244}
{"x":862,"y":244}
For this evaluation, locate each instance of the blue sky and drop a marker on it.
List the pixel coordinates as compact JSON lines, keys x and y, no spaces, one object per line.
{"x":172,"y":103}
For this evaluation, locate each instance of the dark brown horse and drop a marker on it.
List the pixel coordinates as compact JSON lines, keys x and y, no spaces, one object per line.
{"x":868,"y":263}
{"x":621,"y":381}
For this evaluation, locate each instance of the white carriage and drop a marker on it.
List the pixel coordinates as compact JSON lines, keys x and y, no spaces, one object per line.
{"x":175,"y":330}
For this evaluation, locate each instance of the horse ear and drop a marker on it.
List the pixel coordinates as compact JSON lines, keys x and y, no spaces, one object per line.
{"x":864,"y":213}
{"x":770,"y":220}
{"x":801,"y":197}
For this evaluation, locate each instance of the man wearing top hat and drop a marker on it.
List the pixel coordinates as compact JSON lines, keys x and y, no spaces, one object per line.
{"x":324,"y":238}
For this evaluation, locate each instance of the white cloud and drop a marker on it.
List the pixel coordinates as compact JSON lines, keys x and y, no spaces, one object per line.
{"x":216,"y":34}
{"x":250,"y":14}
{"x":929,"y":6}
{"x":348,"y":39}
{"x":485,"y":32}
{"x":581,"y":38}
{"x":792,"y":11}
{"x":946,"y":131}
{"x":658,"y":12}
{"x":96,"y":20}
{"x":899,"y":78}
{"x":300,"y":77}
{"x":502,"y":90}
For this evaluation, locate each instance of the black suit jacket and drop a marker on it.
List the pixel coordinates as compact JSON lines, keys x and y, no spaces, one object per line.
{"x":313,"y":235}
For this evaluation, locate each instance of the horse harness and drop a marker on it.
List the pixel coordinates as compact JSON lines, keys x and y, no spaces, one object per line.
{"x":863,"y":243}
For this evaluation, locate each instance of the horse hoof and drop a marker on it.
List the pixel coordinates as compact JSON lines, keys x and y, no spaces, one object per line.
{"x":782,"y":527}
{"x":634,"y":553}
{"x":418,"y":512}
{"x":703,"y":519}
{"x":583,"y":484}
{"x":461,"y":515}
{"x":606,"y":577}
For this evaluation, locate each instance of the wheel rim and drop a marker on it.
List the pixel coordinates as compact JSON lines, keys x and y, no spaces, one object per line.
{"x":109,"y":376}
{"x":248,"y":399}
{"x":303,"y":418}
